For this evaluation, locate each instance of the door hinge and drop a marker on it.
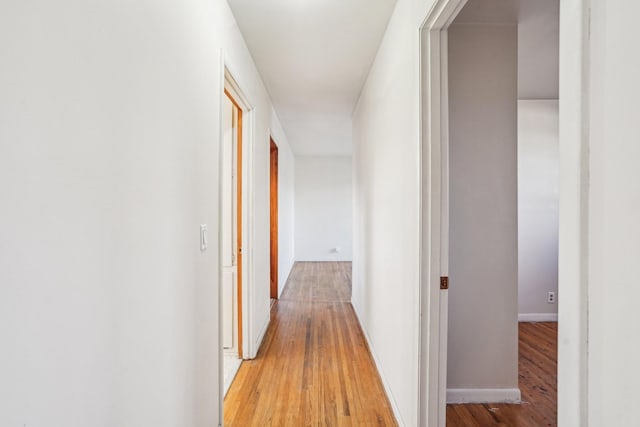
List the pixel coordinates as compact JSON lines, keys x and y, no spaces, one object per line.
{"x":444,"y":282}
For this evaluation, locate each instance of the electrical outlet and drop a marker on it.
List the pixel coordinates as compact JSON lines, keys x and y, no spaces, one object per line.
{"x":551,"y":297}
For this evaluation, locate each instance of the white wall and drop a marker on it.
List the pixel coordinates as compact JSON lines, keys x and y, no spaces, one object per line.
{"x":613,"y":215}
{"x":323,"y":206}
{"x":388,"y":111}
{"x":286,"y":204}
{"x":109,"y":132}
{"x":538,"y":180}
{"x":483,"y":254}
{"x":386,"y":175}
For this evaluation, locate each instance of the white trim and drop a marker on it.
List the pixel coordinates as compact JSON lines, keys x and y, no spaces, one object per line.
{"x":538,"y":317}
{"x":385,"y":383}
{"x":573,"y":238}
{"x":218,"y":149}
{"x":433,"y":232}
{"x":231,"y":80}
{"x":484,"y":395}
{"x":262,"y":333}
{"x":249,"y":349}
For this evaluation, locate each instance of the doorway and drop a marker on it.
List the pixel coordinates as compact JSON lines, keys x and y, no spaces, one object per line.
{"x":273,"y":218}
{"x":231,"y":236}
{"x":465,"y":238}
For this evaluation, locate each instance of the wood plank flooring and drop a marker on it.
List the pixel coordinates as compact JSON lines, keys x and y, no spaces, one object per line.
{"x":538,"y":343}
{"x":314,"y":367}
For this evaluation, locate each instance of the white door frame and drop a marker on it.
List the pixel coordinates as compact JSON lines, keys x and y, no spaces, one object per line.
{"x":229,"y":80}
{"x":573,"y":237}
{"x":434,"y":134}
{"x":231,"y":84}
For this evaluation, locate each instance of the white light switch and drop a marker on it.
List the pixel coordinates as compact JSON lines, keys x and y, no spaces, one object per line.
{"x":204,"y":239}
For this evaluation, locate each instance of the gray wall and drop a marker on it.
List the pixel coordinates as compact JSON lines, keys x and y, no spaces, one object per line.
{"x":538,"y":157}
{"x":538,"y":49}
{"x":483,"y":304}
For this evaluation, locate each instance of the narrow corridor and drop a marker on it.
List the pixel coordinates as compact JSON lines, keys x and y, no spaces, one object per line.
{"x":314,"y":367}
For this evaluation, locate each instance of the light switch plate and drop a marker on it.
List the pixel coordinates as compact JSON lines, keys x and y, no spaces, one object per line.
{"x":204,"y":238}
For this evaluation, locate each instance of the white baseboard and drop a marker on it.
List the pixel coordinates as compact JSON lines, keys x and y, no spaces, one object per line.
{"x":289,"y":269}
{"x":254,"y":351}
{"x":483,"y":395}
{"x":385,"y":383}
{"x":538,"y":317}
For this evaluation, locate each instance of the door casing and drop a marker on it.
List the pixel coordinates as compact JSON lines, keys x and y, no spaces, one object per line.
{"x":229,"y":83}
{"x":239,"y":217}
{"x":434,"y":236}
{"x":573,"y":233}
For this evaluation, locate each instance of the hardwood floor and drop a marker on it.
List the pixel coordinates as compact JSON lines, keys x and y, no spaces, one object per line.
{"x":314,"y":367}
{"x":538,"y":343}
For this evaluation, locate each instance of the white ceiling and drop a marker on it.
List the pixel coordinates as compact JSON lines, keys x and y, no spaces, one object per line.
{"x":538,"y":39}
{"x":314,"y":56}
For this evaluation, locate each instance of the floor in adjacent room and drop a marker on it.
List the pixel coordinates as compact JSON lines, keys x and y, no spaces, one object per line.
{"x":314,"y":367}
{"x":538,"y":343}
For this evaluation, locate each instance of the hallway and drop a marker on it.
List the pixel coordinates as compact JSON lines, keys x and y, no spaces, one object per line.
{"x":314,"y":366}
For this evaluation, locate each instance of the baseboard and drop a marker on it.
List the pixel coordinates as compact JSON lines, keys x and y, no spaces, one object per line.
{"x":483,"y":395}
{"x":261,"y":336}
{"x":385,"y":383}
{"x":283,"y":284}
{"x":538,"y":317}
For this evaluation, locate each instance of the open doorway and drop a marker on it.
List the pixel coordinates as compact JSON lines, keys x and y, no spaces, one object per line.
{"x":473,"y":133}
{"x":231,"y":235}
